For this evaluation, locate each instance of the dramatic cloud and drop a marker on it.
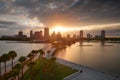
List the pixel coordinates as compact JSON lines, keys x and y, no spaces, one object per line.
{"x":68,"y":13}
{"x":7,"y":23}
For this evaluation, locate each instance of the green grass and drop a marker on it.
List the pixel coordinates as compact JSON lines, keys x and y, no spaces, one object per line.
{"x":45,"y":69}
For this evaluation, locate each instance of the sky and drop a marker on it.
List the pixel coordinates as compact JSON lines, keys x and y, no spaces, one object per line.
{"x":72,"y":15}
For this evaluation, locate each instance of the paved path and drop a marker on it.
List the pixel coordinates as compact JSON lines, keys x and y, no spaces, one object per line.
{"x":87,"y":74}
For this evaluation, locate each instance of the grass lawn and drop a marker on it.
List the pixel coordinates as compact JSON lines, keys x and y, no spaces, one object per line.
{"x":45,"y":69}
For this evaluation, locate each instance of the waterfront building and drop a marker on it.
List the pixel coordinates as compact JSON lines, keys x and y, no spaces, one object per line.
{"x":46,"y":33}
{"x":102,"y":34}
{"x":41,"y":36}
{"x":53,"y":36}
{"x":97,"y":37}
{"x":88,"y":36}
{"x":31,"y":34}
{"x":58,"y":36}
{"x":68,"y":36}
{"x":38,"y":35}
{"x":74,"y":36}
{"x":81,"y":35}
{"x":20,"y":34}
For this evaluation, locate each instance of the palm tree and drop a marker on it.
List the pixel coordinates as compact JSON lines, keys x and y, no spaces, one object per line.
{"x":12,"y":55}
{"x":30,"y":55}
{"x":14,"y":73}
{"x":22,"y":59}
{"x":53,"y":59}
{"x":34,"y":52}
{"x":31,"y":64}
{"x":4,"y":59}
{"x":17,"y":68}
{"x":0,"y":66}
{"x":41,"y":52}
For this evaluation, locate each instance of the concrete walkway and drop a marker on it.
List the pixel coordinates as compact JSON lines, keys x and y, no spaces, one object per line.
{"x":86,"y":74}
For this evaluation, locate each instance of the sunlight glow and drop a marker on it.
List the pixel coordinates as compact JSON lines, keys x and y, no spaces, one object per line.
{"x":59,"y":29}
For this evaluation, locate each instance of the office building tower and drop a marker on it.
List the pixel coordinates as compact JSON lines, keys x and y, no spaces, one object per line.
{"x":41,"y":36}
{"x":46,"y":33}
{"x":20,"y":34}
{"x":68,"y":36}
{"x":31,"y":34}
{"x":103,"y":35}
{"x":53,"y":36}
{"x":38,"y":35}
{"x":58,"y":36}
{"x":74,"y":36}
{"x":88,"y":36}
{"x":81,"y":35}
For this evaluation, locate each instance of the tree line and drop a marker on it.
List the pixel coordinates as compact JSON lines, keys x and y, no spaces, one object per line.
{"x":18,"y":68}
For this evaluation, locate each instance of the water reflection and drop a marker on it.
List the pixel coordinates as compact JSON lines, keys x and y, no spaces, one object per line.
{"x":103,"y":58}
{"x":102,"y":43}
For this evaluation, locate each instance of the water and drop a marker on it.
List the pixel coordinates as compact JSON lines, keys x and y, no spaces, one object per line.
{"x":22,"y":49}
{"x":102,"y":58}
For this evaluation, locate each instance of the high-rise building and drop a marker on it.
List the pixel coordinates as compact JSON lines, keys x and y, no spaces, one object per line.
{"x":31,"y":34}
{"x":53,"y":36}
{"x":20,"y":34}
{"x":81,"y":35}
{"x":41,"y":36}
{"x":74,"y":36}
{"x":68,"y":36}
{"x":58,"y":36}
{"x":88,"y":36}
{"x":102,"y":34}
{"x":38,"y":35}
{"x":46,"y":33}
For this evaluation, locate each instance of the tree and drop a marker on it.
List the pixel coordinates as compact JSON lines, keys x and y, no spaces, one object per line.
{"x":22,"y":59}
{"x":30,"y":55}
{"x":53,"y":59}
{"x":31,"y":64}
{"x":17,"y":68}
{"x":41,"y":52}
{"x":12,"y":55}
{"x":14,"y":73}
{"x":34,"y":52}
{"x":4,"y":59}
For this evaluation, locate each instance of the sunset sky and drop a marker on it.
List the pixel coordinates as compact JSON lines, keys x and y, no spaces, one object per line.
{"x":70,"y":15}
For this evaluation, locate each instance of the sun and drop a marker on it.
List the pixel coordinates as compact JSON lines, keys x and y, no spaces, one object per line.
{"x":58,"y":29}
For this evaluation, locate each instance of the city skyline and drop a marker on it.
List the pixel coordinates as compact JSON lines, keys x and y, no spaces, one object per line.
{"x":46,"y":33}
{"x":70,"y":16}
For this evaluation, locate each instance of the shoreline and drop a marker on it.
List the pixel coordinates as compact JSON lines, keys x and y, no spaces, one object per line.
{"x":90,"y":70}
{"x":95,"y":74}
{"x":72,"y":65}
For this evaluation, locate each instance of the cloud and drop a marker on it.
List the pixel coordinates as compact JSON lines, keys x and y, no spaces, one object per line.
{"x":66,"y":12}
{"x":69,"y":13}
{"x":3,"y":26}
{"x":7,"y":23}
